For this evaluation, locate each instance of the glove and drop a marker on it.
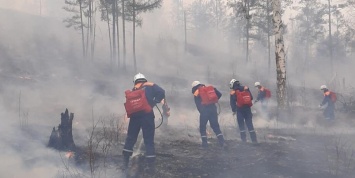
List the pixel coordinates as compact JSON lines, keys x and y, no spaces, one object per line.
{"x":166,"y":109}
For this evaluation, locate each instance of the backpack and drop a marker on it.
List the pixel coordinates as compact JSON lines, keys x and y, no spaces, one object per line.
{"x":244,"y":98}
{"x":136,"y":101}
{"x":267,"y":93}
{"x":208,"y":95}
{"x":333,"y":97}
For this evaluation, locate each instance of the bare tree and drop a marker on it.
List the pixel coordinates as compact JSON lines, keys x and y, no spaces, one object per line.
{"x":114,"y":16}
{"x":279,"y":54}
{"x":105,"y":16}
{"x":76,"y":20}
{"x":90,"y":15}
{"x":135,"y":8}
{"x":124,"y":33}
{"x":118,"y":33}
{"x":330,"y":37}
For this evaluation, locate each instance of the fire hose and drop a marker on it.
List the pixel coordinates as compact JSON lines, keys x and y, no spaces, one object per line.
{"x":165,"y":112}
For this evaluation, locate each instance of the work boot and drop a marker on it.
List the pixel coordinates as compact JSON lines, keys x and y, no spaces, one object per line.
{"x":253,"y":137}
{"x":204,"y":142}
{"x":243,"y":136}
{"x":150,"y":168}
{"x":221,"y":140}
{"x":125,"y":162}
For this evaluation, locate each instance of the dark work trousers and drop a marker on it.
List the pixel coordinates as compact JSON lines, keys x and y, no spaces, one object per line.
{"x":264,"y":108}
{"x":148,"y":127}
{"x":329,"y":112}
{"x":212,"y":117}
{"x":245,"y":117}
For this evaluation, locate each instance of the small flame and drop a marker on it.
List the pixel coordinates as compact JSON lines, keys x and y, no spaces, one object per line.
{"x":69,"y":154}
{"x":208,"y":133}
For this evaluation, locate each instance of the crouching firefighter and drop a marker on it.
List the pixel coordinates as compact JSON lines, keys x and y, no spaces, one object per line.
{"x":139,"y":107}
{"x":241,"y":102}
{"x":205,"y":99}
{"x":264,"y":95}
{"x":328,"y":101}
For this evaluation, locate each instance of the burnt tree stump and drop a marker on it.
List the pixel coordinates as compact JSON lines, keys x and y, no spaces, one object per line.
{"x":62,"y":137}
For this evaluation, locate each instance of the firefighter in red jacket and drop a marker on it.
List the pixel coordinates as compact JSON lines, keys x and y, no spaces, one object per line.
{"x":264,"y":95}
{"x":143,"y":120}
{"x":328,"y":101}
{"x":241,"y":102}
{"x":208,"y":111}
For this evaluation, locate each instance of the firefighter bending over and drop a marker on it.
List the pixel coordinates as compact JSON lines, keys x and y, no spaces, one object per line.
{"x":139,"y":107}
{"x":328,"y":101}
{"x":205,"y":99}
{"x":241,"y":102}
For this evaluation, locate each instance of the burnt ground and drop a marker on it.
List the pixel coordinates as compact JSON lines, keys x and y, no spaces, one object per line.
{"x":278,"y":154}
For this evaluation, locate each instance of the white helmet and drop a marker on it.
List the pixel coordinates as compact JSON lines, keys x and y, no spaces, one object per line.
{"x":257,"y":84}
{"x":138,"y":76}
{"x":323,"y":87}
{"x":231,"y":83}
{"x":195,"y":83}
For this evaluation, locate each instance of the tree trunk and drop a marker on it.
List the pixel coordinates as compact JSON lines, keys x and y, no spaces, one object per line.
{"x":268,"y":34}
{"x":248,"y":24}
{"x":185,"y":30}
{"x":124,"y":34}
{"x":88,"y":33}
{"x":87,"y":37}
{"x":134,"y":36}
{"x":330,"y":39}
{"x":92,"y":30}
{"x":118,"y":37}
{"x":109,"y":33}
{"x":62,"y":138}
{"x":217,"y":14}
{"x":82,"y":28}
{"x":114,"y":32}
{"x":93,"y":43}
{"x":279,"y":54}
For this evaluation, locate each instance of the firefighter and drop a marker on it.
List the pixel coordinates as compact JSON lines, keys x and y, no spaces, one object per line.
{"x":329,"y":103}
{"x":208,"y":111}
{"x":143,"y":120}
{"x":264,"y":95}
{"x":241,"y":102}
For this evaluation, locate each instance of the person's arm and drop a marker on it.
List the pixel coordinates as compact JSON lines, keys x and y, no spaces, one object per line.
{"x":198,"y":103}
{"x":325,"y":100}
{"x":258,"y":98}
{"x":219,"y":94}
{"x":159,"y":93}
{"x":251,"y":96}
{"x":233,"y":101}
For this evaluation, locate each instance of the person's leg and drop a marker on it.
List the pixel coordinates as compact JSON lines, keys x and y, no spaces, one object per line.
{"x":131,"y":139}
{"x":148,"y":128}
{"x":241,"y":125}
{"x":215,"y":127}
{"x":203,"y":123}
{"x":249,"y":123}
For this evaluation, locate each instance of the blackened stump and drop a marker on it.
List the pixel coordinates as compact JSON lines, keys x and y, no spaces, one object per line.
{"x":62,"y":138}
